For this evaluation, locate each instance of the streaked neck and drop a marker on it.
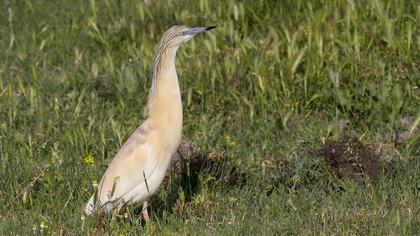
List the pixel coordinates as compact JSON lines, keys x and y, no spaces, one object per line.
{"x":164,"y":96}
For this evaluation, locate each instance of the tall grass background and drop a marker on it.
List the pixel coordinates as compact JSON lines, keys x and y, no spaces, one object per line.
{"x":274,"y":76}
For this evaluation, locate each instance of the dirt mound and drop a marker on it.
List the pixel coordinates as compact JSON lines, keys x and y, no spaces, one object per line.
{"x":189,"y":160}
{"x":349,"y":158}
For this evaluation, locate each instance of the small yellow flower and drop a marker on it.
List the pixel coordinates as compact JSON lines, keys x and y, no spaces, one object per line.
{"x":82,"y":217}
{"x":42,"y":225}
{"x":126,"y":215}
{"x":89,"y":160}
{"x":230,"y":142}
{"x":94,"y":183}
{"x":117,"y":179}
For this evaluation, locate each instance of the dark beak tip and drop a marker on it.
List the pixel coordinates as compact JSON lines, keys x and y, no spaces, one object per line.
{"x":210,"y":27}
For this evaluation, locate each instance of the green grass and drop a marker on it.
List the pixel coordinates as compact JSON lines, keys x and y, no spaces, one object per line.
{"x":274,"y":76}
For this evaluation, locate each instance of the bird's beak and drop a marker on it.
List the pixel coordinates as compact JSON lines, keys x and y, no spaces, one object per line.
{"x":194,"y":31}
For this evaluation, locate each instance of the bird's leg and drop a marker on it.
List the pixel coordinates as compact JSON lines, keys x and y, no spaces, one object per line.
{"x":115,"y":212}
{"x":144,"y":212}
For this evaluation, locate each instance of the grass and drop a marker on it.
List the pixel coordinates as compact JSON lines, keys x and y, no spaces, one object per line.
{"x":275,"y":77}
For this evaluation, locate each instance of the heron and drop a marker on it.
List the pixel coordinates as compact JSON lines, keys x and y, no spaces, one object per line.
{"x":139,"y":167}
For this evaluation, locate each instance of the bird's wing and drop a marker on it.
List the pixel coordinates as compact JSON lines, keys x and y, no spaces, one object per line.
{"x":134,"y":162}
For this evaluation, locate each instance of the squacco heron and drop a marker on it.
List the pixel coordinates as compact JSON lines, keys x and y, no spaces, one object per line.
{"x":139,"y":167}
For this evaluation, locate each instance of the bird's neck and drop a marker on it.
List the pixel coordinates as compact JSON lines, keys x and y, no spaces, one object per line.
{"x":164,"y":105}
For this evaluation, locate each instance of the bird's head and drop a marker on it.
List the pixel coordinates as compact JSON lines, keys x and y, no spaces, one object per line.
{"x":179,"y":34}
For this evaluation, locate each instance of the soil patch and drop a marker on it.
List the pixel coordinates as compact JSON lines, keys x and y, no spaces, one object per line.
{"x":349,"y":158}
{"x":189,"y":160}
